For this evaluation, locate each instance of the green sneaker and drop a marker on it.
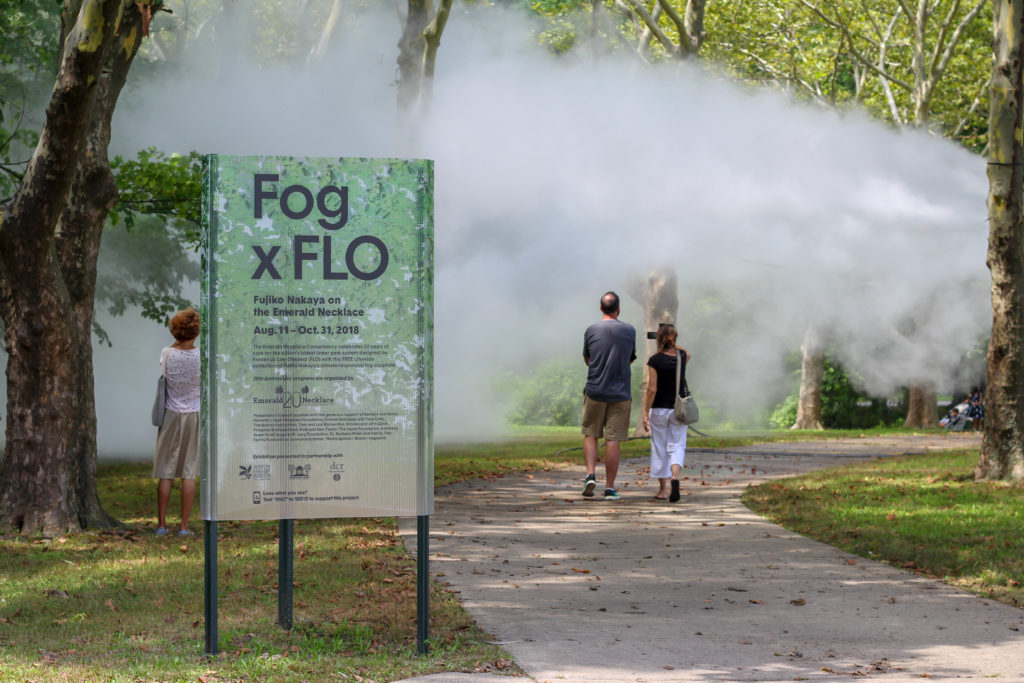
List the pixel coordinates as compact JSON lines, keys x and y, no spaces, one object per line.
{"x":611,"y":494}
{"x":589,"y":484}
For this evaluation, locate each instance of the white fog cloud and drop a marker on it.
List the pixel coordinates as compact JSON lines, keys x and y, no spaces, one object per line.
{"x":557,"y":180}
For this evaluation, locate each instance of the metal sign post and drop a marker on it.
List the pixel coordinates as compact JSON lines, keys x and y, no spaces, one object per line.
{"x":210,"y":583}
{"x":422,"y":583}
{"x":285,"y":572}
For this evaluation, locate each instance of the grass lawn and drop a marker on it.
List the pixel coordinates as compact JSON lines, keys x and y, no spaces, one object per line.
{"x":125,"y":605}
{"x":923,"y":513}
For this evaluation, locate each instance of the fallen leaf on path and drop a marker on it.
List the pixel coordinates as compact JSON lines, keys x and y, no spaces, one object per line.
{"x":799,"y":602}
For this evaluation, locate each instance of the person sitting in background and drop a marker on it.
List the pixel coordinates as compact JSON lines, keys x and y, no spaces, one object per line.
{"x":954,"y":421}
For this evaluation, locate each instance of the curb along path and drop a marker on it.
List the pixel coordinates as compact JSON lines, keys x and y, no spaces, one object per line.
{"x":703,"y":590}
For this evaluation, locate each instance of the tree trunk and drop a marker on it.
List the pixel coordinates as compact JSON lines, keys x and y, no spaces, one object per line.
{"x":49,"y":240}
{"x":417,"y":53}
{"x":812,"y":371}
{"x":661,"y":303}
{"x":921,"y":410}
{"x":1002,"y":449}
{"x":432,"y":37}
{"x":410,"y":53}
{"x":323,"y":44}
{"x":92,"y":195}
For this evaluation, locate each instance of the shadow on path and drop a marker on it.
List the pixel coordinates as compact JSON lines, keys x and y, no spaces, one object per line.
{"x":703,"y":590}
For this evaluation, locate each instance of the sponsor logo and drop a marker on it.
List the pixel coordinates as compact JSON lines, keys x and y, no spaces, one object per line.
{"x":293,"y":399}
{"x":257,"y":472}
{"x":299,"y":471}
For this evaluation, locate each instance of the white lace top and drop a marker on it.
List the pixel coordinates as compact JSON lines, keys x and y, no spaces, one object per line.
{"x":182,"y":373}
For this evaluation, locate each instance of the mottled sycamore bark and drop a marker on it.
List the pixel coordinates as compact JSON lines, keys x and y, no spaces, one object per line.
{"x":812,"y":372}
{"x":1002,"y":450}
{"x":49,"y":241}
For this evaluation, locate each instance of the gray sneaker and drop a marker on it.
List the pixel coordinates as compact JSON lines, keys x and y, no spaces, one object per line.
{"x":589,"y":484}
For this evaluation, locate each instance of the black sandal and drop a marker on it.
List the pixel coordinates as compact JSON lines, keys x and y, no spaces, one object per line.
{"x":674,"y":496}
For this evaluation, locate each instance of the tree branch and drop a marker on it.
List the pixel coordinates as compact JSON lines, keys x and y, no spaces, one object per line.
{"x":954,"y":40}
{"x":643,"y":43}
{"x":970,"y":112}
{"x":652,"y":25}
{"x":781,"y":76}
{"x":853,"y":50}
{"x":886,"y":88}
{"x":680,"y":24}
{"x":432,"y":36}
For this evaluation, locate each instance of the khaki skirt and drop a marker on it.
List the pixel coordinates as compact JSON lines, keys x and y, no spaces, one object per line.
{"x":177,"y":447}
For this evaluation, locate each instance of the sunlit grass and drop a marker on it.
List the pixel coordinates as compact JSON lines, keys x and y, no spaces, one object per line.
{"x":543,"y":448}
{"x":125,"y":605}
{"x":924,"y":513}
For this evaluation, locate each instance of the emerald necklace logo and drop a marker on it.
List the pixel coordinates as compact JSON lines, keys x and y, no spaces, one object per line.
{"x":293,"y":399}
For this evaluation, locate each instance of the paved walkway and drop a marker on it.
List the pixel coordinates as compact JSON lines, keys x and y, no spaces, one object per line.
{"x":703,"y":590}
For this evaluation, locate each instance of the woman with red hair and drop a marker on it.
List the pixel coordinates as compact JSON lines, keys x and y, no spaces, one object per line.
{"x":177,"y":441}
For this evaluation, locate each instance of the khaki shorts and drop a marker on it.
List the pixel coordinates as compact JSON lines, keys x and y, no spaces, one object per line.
{"x":177,"y":447}
{"x":610,"y":420}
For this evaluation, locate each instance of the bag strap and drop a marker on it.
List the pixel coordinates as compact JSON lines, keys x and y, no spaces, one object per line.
{"x":679,"y":368}
{"x":679,"y":371}
{"x":163,"y":360}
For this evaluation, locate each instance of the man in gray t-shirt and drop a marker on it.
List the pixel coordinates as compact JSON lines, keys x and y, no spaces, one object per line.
{"x":609,"y":346}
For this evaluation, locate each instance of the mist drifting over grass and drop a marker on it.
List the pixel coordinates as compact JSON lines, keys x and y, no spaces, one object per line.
{"x":557,"y":179}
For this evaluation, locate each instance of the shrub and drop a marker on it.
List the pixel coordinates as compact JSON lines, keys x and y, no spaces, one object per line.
{"x":551,"y":395}
{"x":844,"y":406}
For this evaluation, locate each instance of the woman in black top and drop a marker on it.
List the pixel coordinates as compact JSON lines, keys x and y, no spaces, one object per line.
{"x":668,"y":437}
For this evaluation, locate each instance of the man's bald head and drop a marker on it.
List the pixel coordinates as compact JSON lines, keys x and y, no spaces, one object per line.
{"x":610,"y":303}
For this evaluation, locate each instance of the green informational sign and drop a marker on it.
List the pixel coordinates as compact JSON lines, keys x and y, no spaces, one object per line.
{"x":317,"y":342}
